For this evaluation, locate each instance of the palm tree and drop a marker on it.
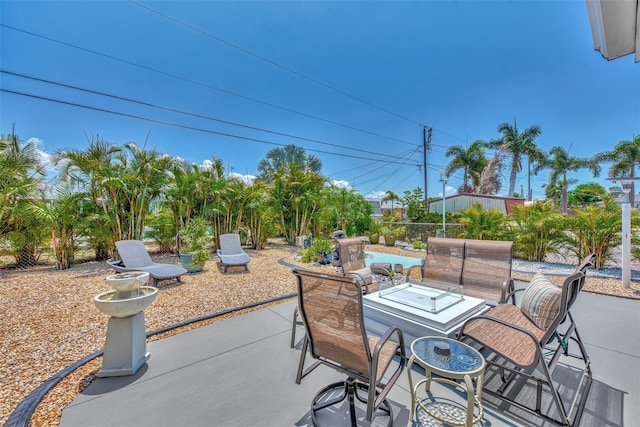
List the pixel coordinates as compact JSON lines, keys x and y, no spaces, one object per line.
{"x":471,"y":160}
{"x":259,"y":216}
{"x":560,"y":163}
{"x":90,"y":170}
{"x":280,"y":158}
{"x":143,"y":175}
{"x":490,"y":179}
{"x":625,"y":156}
{"x":517,"y":144}
{"x":392,"y":197}
{"x":184,"y":193}
{"x":297,"y":197}
{"x":61,"y":215}
{"x":348,"y":209}
{"x":21,"y":184}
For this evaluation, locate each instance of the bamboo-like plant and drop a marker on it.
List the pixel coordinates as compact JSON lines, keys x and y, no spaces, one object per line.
{"x":482,"y":224}
{"x":537,"y":230}
{"x":595,"y":229}
{"x":296,"y":197}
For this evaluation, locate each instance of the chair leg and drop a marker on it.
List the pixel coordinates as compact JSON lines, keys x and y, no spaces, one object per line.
{"x":294,"y":327}
{"x":349,"y":390}
{"x":301,"y":371}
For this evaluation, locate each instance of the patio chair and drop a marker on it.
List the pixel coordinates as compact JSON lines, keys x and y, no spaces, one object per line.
{"x":332,"y":312}
{"x":443,"y":260}
{"x":487,"y":269}
{"x":526,"y":342}
{"x":134,"y":257}
{"x":351,"y":255}
{"x":231,"y":253}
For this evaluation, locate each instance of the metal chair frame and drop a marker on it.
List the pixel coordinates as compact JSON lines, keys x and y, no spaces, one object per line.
{"x":376,"y":389}
{"x":548,"y":350}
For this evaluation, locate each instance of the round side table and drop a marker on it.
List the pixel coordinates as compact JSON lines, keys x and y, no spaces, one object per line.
{"x":463,"y":363}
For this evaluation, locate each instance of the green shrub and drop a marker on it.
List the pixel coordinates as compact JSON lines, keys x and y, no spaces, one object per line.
{"x":195,"y":238}
{"x":307,"y":254}
{"x":537,"y":230}
{"x":418,"y":244}
{"x":595,"y":229}
{"x":162,"y":229}
{"x":481,"y":224}
{"x":321,"y":245}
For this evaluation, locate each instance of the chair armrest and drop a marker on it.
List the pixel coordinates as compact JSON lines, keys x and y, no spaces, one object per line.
{"x":411,"y":270}
{"x":381,"y":342}
{"x":359,"y":279}
{"x":509,"y":290}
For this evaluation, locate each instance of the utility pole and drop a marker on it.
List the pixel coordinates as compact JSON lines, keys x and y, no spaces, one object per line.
{"x":528,"y":179}
{"x":444,"y":180}
{"x":426,"y":141}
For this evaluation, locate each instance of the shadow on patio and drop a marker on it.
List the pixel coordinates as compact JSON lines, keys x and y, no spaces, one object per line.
{"x":241,"y":371}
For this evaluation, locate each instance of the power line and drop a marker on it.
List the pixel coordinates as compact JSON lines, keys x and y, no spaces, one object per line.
{"x":287,"y":69}
{"x":185,"y":126}
{"x":378,"y":168}
{"x":206,"y":85}
{"x":274,"y":63}
{"x":376,"y":186}
{"x":148,"y":104}
{"x":393,"y":173}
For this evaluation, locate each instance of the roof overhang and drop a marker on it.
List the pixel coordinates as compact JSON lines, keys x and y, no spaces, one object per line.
{"x":615,"y":27}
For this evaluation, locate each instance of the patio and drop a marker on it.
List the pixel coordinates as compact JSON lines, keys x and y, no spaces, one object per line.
{"x":241,"y":371}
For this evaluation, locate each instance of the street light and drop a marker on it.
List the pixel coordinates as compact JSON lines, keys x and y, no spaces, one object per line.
{"x":443,"y":180}
{"x":626,"y":182}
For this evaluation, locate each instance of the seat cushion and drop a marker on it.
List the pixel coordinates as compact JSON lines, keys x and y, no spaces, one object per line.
{"x":541,"y":301}
{"x":506,"y":339}
{"x":235,"y":259}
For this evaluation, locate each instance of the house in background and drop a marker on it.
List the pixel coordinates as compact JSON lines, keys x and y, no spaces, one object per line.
{"x":395,"y":207}
{"x":624,"y":199}
{"x":377,"y":209}
{"x":460,"y":202}
{"x":381,"y":208}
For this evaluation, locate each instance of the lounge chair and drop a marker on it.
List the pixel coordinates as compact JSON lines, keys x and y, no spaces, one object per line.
{"x":134,"y":257}
{"x":524,"y":345}
{"x":332,"y":309}
{"x":231,"y":253}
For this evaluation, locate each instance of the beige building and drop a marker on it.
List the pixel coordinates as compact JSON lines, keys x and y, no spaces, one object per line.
{"x":460,"y":202}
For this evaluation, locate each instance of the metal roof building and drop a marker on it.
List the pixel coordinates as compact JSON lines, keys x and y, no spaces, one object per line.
{"x":460,"y":202}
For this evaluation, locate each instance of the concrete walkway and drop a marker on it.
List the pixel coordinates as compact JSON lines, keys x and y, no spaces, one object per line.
{"x":241,"y":372}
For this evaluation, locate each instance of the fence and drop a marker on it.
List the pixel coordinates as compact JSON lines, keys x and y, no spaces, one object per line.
{"x":418,"y":230}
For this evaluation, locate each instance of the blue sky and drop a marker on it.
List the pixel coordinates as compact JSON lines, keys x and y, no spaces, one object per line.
{"x":355,"y":80}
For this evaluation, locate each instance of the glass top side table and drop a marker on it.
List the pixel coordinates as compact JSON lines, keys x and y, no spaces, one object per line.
{"x":451,"y":361}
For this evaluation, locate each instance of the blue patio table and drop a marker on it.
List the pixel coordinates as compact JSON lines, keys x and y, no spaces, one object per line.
{"x":450,"y":360}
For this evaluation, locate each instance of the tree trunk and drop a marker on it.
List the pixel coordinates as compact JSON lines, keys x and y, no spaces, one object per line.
{"x":512,"y":178}
{"x":564,"y":204}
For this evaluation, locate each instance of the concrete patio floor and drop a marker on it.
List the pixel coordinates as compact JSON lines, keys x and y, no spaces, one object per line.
{"x":241,"y":372}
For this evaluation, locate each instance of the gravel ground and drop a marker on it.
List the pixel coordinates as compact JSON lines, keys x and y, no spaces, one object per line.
{"x":49,"y":320}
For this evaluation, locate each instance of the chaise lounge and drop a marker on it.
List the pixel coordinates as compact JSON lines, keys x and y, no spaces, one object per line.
{"x":231,"y":253}
{"x":134,"y":257}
